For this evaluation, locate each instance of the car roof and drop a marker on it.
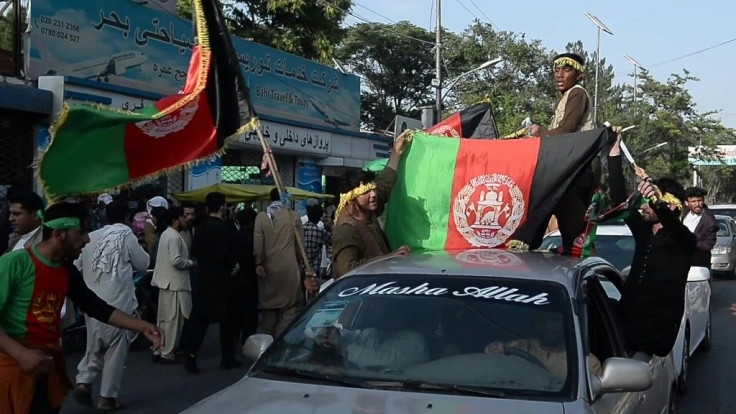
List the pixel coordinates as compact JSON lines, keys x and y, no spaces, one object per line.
{"x":611,"y":230}
{"x":526,"y":265}
{"x":715,"y":206}
{"x":722,"y":217}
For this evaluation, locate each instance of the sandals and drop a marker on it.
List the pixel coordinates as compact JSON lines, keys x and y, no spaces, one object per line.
{"x":109,"y":405}
{"x":83,"y":394}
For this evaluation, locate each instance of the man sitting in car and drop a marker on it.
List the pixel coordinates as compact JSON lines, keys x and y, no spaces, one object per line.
{"x":548,"y":347}
{"x":388,"y":342}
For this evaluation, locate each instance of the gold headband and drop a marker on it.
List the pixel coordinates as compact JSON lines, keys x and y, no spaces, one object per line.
{"x":566,"y":61}
{"x":352,"y":195}
{"x":668,"y":198}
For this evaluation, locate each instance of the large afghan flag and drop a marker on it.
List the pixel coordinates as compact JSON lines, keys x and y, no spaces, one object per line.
{"x":94,"y":148}
{"x":455,"y":194}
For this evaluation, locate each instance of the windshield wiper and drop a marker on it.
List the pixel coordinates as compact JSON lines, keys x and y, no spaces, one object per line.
{"x":424,"y":386}
{"x":309,"y":375}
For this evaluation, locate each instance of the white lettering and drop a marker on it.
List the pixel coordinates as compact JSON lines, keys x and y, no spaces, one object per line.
{"x":490,"y":292}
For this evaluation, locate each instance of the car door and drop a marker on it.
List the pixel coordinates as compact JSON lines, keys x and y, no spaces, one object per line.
{"x":698,"y":313}
{"x":601,"y":339}
{"x":604,"y":296}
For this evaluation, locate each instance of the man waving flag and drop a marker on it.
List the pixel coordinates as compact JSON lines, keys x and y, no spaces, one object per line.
{"x":95,"y":148}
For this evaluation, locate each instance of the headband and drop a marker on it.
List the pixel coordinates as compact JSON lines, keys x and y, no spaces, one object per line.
{"x":61,"y":223}
{"x":352,"y":195}
{"x":566,"y":61}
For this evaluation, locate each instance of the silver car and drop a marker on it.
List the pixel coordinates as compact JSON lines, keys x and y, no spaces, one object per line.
{"x":478,"y":331}
{"x":723,"y":254}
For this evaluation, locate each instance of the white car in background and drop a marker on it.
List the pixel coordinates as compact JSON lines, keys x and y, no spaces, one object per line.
{"x":616,"y":244}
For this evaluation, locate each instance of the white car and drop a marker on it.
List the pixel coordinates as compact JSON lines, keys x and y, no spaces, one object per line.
{"x":616,"y":244}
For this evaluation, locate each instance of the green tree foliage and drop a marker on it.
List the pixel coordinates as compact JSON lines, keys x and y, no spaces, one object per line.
{"x":396,"y":70}
{"x":308,"y":28}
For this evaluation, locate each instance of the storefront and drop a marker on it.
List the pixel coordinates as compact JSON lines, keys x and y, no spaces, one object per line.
{"x":126,"y":56}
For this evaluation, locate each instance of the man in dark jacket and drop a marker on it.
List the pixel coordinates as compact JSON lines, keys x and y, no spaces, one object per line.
{"x":701,"y":221}
{"x":653,"y":297}
{"x":213,"y":250}
{"x":245,"y":306}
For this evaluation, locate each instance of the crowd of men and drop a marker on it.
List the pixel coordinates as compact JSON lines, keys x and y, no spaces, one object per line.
{"x":244,"y":270}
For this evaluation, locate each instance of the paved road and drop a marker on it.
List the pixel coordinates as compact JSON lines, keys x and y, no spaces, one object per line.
{"x":150,"y":388}
{"x":713,"y":374}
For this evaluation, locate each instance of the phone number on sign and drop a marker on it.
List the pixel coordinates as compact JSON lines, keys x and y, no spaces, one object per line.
{"x":59,"y":24}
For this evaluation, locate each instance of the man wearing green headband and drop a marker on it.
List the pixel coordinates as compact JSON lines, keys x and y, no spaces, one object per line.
{"x":33,"y":284}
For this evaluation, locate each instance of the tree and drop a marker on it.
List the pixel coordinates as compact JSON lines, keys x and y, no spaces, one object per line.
{"x":396,"y":70}
{"x":520,"y":87}
{"x":308,"y":28}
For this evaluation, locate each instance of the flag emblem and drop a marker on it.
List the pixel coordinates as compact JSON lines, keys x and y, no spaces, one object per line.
{"x":174,"y":122}
{"x":488,"y":210}
{"x":488,"y":257}
{"x":445,"y":131}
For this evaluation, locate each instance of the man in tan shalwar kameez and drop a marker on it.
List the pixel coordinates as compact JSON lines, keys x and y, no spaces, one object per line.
{"x":278,"y":266}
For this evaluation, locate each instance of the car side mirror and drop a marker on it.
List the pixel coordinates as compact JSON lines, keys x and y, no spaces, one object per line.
{"x":256,"y":345}
{"x":622,"y":375}
{"x":698,"y":274}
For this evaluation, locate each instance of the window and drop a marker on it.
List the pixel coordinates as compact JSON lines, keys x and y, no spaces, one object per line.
{"x":399,"y":329}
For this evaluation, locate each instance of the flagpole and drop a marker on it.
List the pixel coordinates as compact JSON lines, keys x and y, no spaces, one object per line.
{"x":282,"y":190}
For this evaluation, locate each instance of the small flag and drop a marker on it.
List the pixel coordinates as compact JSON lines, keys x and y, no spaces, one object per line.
{"x":475,"y":122}
{"x":94,"y":148}
{"x":455,"y":194}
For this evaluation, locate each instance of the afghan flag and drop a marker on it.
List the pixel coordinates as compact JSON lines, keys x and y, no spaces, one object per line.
{"x":456,"y":194}
{"x":94,"y":148}
{"x":476,"y":122}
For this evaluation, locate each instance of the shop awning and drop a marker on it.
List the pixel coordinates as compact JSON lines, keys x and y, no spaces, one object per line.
{"x":239,"y":193}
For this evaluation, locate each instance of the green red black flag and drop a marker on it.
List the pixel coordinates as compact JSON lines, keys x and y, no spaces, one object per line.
{"x":475,"y":122}
{"x":95,"y":148}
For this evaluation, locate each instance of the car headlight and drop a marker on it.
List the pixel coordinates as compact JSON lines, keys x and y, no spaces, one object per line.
{"x":721,"y":250}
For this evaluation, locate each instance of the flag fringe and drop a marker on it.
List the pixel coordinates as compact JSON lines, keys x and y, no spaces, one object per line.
{"x":254,"y":123}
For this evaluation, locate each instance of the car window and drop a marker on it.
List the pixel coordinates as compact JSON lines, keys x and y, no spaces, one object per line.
{"x":723,"y":228}
{"x":618,"y":250}
{"x":604,"y":341}
{"x":504,"y":335}
{"x":724,"y":212}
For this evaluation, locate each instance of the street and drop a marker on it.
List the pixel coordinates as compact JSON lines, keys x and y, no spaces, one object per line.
{"x":150,"y":388}
{"x":153,"y":388}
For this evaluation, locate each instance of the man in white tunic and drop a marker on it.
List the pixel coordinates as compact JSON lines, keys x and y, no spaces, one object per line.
{"x":107,"y":264}
{"x":171,"y":276}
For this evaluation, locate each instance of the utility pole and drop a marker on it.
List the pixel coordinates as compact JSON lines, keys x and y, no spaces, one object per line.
{"x":438,"y":56}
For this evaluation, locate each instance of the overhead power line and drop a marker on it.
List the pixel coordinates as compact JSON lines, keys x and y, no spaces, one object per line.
{"x":467,"y":9}
{"x":374,"y":12}
{"x":692,"y":54}
{"x":483,"y":13}
{"x":366,"y":20}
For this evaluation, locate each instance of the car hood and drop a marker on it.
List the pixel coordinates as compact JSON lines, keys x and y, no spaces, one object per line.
{"x":265,"y":396}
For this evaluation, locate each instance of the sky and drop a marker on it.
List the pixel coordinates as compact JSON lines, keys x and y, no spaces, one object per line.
{"x":650,"y":31}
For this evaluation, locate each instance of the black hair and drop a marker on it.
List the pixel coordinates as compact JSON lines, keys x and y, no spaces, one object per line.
{"x":28,"y":200}
{"x":573,"y":56}
{"x":695,"y":192}
{"x":314,"y":213}
{"x":162,"y":218}
{"x":188,"y":205}
{"x":175,"y":213}
{"x":275,"y":195}
{"x":356,"y":178}
{"x":116,"y":212}
{"x":62,"y":210}
{"x":214,"y":201}
{"x":668,"y":185}
{"x":246,"y":217}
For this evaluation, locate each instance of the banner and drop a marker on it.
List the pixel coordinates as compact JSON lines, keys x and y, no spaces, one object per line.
{"x":118,"y":45}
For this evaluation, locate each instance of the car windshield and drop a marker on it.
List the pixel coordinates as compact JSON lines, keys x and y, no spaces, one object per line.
{"x":723,"y":228}
{"x":731,"y":212}
{"x":480,"y":336}
{"x":618,"y":250}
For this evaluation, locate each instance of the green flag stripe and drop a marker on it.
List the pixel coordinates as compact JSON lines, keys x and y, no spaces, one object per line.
{"x":90,"y":134}
{"x":414,"y":197}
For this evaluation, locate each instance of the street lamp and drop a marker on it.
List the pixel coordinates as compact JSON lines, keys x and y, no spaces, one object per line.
{"x":484,"y":65}
{"x":601,"y":27}
{"x":637,"y":65}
